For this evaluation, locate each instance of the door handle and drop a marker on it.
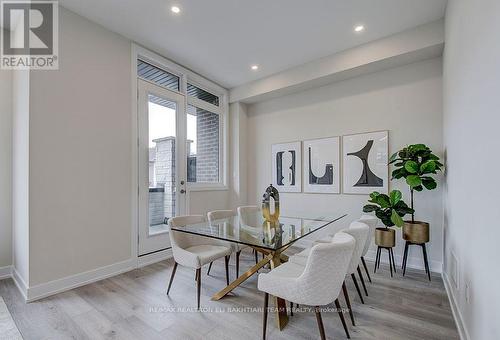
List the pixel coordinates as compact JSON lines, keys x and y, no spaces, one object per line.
{"x":183,"y":191}
{"x":182,"y":182}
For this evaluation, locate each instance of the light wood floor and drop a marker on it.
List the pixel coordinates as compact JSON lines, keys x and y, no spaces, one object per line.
{"x":134,"y":306}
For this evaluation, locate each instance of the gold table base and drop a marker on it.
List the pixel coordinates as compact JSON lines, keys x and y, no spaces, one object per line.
{"x":274,"y":258}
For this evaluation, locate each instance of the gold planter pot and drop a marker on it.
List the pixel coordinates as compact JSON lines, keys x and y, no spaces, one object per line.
{"x":416,"y":232}
{"x":385,"y":238}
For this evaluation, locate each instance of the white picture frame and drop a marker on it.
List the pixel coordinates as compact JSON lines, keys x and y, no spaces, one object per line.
{"x":287,"y":167}
{"x":321,"y":165}
{"x":365,"y":163}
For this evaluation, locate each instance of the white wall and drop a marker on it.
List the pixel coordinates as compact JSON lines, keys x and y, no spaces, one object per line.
{"x":404,"y":100}
{"x":5,"y":168}
{"x":471,"y":125}
{"x":80,"y":154}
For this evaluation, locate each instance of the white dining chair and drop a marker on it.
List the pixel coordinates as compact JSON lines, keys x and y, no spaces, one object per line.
{"x":247,"y":217}
{"x":371,"y":222}
{"x":359,"y":231}
{"x":195,"y":251}
{"x":236,"y":248}
{"x":317,"y":283}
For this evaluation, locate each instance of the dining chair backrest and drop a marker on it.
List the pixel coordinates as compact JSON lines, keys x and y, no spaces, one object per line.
{"x":359,"y":231}
{"x":372,"y":222}
{"x":184,"y":240}
{"x":248,"y":215}
{"x":325,"y":270}
{"x":219,"y":215}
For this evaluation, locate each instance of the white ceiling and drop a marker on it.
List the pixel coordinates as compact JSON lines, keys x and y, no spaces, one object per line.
{"x":220,"y":39}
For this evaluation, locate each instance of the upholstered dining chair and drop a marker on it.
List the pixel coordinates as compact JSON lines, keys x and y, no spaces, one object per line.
{"x":237,"y":248}
{"x":371,"y":222}
{"x":317,"y":283}
{"x":246,"y":215}
{"x":359,"y":231}
{"x":195,"y":251}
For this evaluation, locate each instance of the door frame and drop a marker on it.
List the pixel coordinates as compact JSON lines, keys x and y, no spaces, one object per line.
{"x":149,"y":244}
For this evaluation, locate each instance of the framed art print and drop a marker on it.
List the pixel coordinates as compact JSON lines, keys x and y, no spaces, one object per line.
{"x":286,"y":167}
{"x":321,"y":165}
{"x":365,"y":162}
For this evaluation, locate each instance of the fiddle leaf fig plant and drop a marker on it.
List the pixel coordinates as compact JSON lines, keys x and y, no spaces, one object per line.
{"x":389,"y":209}
{"x":416,"y":164}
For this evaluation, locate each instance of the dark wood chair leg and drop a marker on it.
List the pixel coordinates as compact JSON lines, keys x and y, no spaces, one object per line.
{"x":226,"y":264}
{"x":256,"y":258}
{"x":341,"y":315}
{"x":238,"y":263}
{"x":348,"y":302}
{"x":366,"y":269}
{"x":426,"y":262}
{"x":209,"y":267}
{"x":264,"y":317}
{"x":320,"y":323}
{"x":357,"y":287}
{"x":172,"y":277}
{"x":198,"y":284}
{"x":362,"y":281}
{"x":377,"y":260}
{"x":291,"y":308}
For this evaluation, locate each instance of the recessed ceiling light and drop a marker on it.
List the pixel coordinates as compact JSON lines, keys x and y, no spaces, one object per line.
{"x":175,"y":9}
{"x":255,"y":67}
{"x":359,"y":28}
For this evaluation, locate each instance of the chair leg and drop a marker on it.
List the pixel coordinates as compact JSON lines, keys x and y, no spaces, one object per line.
{"x":209,"y":267}
{"x":226,"y":264}
{"x":357,"y":287}
{"x":366,"y":269}
{"x":198,"y":283}
{"x":348,"y":302}
{"x":172,"y":277}
{"x":256,"y":258}
{"x":264,"y":318}
{"x":362,"y":281}
{"x":291,"y":308}
{"x":426,"y":262}
{"x":238,"y":263}
{"x":320,"y":323}
{"x":341,"y":315}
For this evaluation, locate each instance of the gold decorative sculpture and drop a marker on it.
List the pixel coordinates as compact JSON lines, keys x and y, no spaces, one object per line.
{"x":271,"y":192}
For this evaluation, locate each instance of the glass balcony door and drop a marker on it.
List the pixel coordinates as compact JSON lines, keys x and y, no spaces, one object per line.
{"x":162,"y":173}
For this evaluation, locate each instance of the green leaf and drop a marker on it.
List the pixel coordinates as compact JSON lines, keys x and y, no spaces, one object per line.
{"x":428,"y":167}
{"x":418,"y":188}
{"x":393,"y":157}
{"x":413,"y":181}
{"x":429,"y":183}
{"x":396,"y":219}
{"x":370,"y":208}
{"x":395,"y":197}
{"x":383,"y":201}
{"x":411,"y":167}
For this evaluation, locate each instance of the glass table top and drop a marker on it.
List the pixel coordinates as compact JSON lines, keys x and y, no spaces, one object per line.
{"x":251,"y":228}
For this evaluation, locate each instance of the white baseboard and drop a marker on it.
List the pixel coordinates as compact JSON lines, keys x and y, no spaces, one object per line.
{"x":457,"y":315}
{"x":20,"y":283}
{"x":412,"y":262}
{"x":146,"y":260}
{"x":5,"y":272}
{"x":66,"y":283}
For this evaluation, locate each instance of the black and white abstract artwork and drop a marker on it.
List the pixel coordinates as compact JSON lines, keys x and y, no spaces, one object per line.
{"x":365,"y":162}
{"x":321,"y":165}
{"x":286,"y":167}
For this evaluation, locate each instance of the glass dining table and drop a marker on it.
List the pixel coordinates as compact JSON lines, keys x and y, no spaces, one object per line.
{"x":270,"y":239}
